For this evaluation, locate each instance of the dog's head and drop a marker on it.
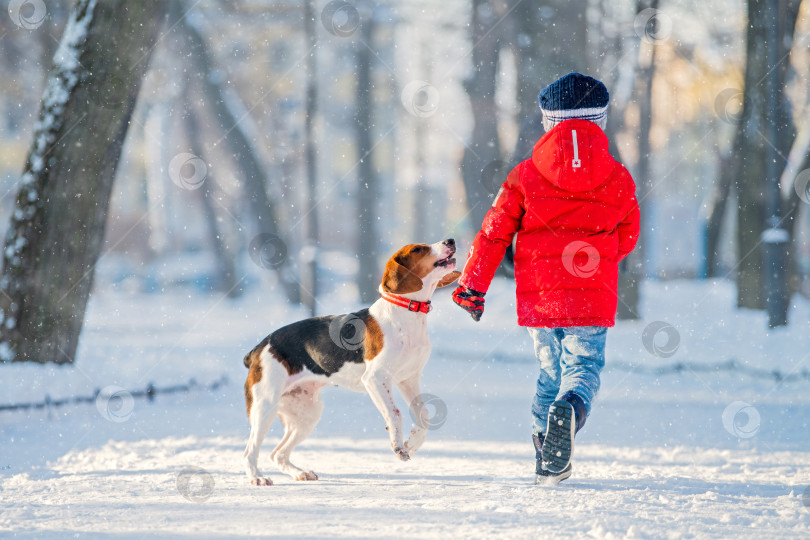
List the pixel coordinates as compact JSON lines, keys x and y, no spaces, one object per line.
{"x":418,"y":267}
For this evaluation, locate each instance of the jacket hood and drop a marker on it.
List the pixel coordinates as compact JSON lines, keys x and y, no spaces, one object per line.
{"x":574,"y":156}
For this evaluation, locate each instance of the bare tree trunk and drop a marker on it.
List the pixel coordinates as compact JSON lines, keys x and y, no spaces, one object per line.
{"x":154,"y":128}
{"x":790,"y":205}
{"x":57,"y":229}
{"x":552,"y":40}
{"x":644,"y":80}
{"x":309,"y":281}
{"x":484,"y":146}
{"x":367,"y":193}
{"x":727,"y":169}
{"x":754,"y":144}
{"x":226,"y":269}
{"x":797,"y":161}
{"x":776,"y":233}
{"x":549,"y":42}
{"x":245,"y":153}
{"x":633,"y":268}
{"x":422,"y":203}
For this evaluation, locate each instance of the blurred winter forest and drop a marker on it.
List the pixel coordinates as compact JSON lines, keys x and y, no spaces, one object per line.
{"x":285,"y":148}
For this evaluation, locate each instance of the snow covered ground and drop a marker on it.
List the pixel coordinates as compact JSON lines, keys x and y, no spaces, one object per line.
{"x":678,"y":446}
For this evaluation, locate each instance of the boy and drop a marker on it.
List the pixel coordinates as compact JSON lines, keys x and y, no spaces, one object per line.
{"x":575,"y":212}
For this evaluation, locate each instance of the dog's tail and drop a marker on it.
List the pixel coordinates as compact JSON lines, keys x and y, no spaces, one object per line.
{"x":249,"y":356}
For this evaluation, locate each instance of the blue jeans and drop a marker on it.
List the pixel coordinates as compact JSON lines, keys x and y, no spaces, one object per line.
{"x":570,"y":359}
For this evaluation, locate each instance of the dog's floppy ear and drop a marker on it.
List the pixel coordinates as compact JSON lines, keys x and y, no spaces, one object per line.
{"x":399,"y":279}
{"x":449,"y":278}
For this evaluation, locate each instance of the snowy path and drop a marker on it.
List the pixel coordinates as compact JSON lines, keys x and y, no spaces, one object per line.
{"x":453,"y":490}
{"x":658,"y":459}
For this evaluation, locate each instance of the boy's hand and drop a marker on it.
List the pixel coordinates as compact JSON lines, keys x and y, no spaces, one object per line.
{"x":470,"y":300}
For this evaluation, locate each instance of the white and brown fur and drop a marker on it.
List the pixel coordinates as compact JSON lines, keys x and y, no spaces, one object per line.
{"x":289,"y":367}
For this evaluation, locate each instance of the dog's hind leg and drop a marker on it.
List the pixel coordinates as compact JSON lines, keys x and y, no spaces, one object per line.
{"x":300,"y":410}
{"x":263,"y":402}
{"x":261,"y":417}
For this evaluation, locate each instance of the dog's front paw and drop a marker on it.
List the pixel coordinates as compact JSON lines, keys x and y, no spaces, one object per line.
{"x":306,"y":475}
{"x":261,"y":481}
{"x":402,"y":453}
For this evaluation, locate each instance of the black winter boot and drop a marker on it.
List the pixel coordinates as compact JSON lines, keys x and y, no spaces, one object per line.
{"x":538,"y":446}
{"x":542,"y":475}
{"x":566,"y":416}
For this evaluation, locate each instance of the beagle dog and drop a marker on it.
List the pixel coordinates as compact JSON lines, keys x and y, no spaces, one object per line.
{"x":373,"y":350}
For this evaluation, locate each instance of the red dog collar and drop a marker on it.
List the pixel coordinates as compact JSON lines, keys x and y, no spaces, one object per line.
{"x":410,"y":305}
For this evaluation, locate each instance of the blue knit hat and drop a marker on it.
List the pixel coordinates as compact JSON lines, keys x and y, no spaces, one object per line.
{"x":574,"y":96}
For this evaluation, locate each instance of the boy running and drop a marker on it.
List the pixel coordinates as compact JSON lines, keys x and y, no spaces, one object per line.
{"x":574,"y":210}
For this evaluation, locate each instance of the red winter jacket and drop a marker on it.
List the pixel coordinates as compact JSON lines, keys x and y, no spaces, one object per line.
{"x":575,"y":213}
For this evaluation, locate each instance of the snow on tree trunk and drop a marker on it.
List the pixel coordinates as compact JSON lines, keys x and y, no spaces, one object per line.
{"x":57,"y":227}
